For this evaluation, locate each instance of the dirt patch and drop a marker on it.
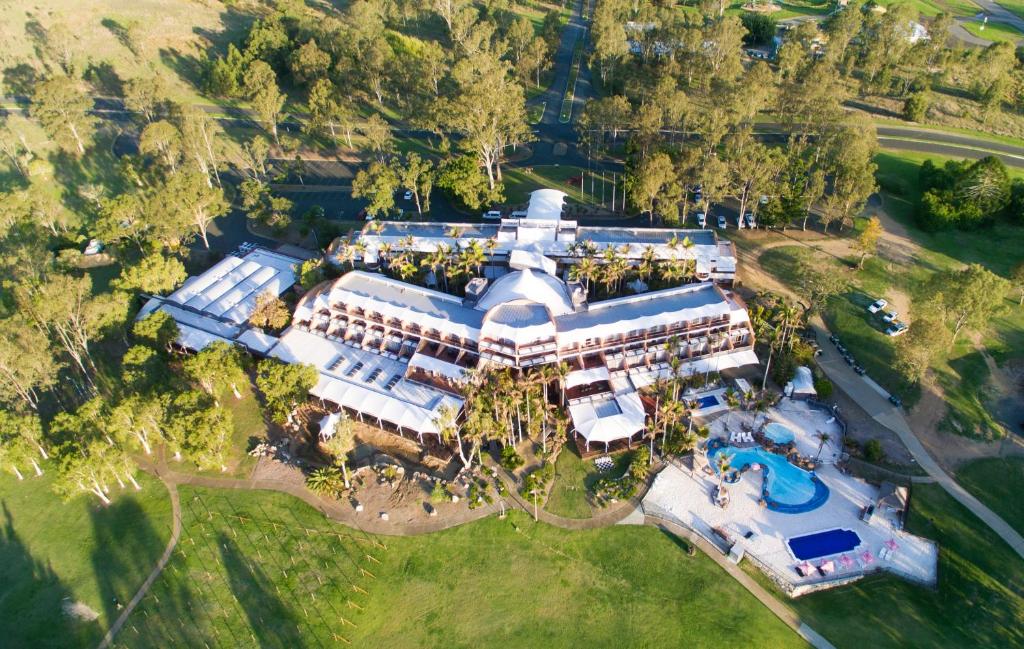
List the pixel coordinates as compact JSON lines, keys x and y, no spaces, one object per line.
{"x":79,"y":611}
{"x":862,"y":427}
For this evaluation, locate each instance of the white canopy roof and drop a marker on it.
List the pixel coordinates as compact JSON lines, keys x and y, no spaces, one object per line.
{"x":521,"y":323}
{"x":610,"y":419}
{"x":802,"y":383}
{"x":586,"y":377}
{"x":327,"y":424}
{"x":521,"y":259}
{"x":530,"y":286}
{"x":545,"y":204}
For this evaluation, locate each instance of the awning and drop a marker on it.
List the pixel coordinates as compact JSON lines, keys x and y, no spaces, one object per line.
{"x":585,"y":377}
{"x":438,"y":366}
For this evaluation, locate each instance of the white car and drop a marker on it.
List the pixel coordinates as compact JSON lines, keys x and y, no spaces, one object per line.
{"x":890,"y":316}
{"x":749,"y":221}
{"x":877,"y":306}
{"x":764,"y":199}
{"x":896,"y":329}
{"x":492,"y":214}
{"x":702,"y":219}
{"x":721,"y":222}
{"x":407,"y":196}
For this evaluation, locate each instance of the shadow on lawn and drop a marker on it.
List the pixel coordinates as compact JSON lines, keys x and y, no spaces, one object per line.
{"x":127,"y":548}
{"x":271,"y":622}
{"x":32,"y":597}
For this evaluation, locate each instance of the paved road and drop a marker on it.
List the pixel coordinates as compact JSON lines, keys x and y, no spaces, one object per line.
{"x":1000,"y":14}
{"x":875,"y":404}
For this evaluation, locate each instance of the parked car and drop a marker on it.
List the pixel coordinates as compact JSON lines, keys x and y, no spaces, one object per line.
{"x":877,"y":306}
{"x":492,"y":214}
{"x":702,"y":219}
{"x":721,"y":222}
{"x":895,"y":400}
{"x":859,"y":369}
{"x":834,"y":339}
{"x":407,"y":196}
{"x":890,"y":316}
{"x":896,"y":329}
{"x":749,"y":221}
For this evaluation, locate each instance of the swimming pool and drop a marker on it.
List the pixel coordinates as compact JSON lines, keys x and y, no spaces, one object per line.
{"x":778,"y":433}
{"x":786,"y":488}
{"x":707,"y":402}
{"x":822,"y":544}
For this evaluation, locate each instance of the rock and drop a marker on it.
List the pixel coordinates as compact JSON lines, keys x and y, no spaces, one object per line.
{"x":384,"y":516}
{"x":433,"y":512}
{"x":455,"y":498}
{"x":400,"y":470}
{"x":359,"y":507}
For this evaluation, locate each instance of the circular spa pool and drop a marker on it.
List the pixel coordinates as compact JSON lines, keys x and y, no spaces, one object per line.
{"x":786,"y":488}
{"x":778,"y":433}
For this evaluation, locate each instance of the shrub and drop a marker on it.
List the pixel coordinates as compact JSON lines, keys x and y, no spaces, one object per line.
{"x":510,"y":459}
{"x":873,"y":451}
{"x":760,"y":28}
{"x":823,"y":387}
{"x":915,"y":108}
{"x":440,"y":494}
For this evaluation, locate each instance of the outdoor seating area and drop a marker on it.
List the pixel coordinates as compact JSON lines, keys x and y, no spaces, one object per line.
{"x":833,"y":544}
{"x":604,"y":463}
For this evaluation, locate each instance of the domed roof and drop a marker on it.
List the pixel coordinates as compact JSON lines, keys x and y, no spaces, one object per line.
{"x":528,"y":286}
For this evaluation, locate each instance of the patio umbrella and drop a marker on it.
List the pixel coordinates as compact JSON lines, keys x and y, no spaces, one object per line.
{"x":867,"y":557}
{"x":805,"y":568}
{"x":846,"y":561}
{"x":828,"y":567}
{"x":892,"y":545}
{"x":755,"y":467}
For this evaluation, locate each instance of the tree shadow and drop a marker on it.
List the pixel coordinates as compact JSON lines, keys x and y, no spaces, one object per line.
{"x":120,"y":32}
{"x":271,"y":622}
{"x":20,"y":80}
{"x":104,"y":78}
{"x":33,"y":600}
{"x":127,"y":548}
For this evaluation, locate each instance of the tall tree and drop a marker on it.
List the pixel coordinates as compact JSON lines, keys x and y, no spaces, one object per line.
{"x":377,"y":183}
{"x":971,"y":296}
{"x":267,"y":99}
{"x":284,"y":386}
{"x":62,"y":108}
{"x":417,"y":175}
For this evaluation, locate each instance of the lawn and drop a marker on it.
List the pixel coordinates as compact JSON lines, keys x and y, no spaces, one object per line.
{"x":997,"y":482}
{"x":965,"y":380}
{"x":978,"y":602}
{"x":520,"y":181}
{"x":995,"y":32}
{"x":168,"y":39}
{"x":1016,"y":6}
{"x":568,"y":496}
{"x":263,"y":569}
{"x":50,"y":550}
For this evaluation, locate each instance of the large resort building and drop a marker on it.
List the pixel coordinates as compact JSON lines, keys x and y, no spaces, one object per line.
{"x":399,"y":355}
{"x":541,"y":231}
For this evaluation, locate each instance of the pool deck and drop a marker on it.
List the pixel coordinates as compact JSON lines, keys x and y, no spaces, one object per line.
{"x":686,"y":498}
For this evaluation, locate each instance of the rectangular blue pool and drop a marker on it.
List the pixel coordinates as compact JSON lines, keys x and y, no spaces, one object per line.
{"x":707,"y":402}
{"x":823,"y":544}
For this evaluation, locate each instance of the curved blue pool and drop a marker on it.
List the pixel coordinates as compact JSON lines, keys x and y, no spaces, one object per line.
{"x":786,"y":488}
{"x":822,"y":544}
{"x":778,"y":433}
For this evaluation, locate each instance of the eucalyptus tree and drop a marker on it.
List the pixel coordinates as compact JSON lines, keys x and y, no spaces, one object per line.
{"x":62,"y":107}
{"x":217,"y":368}
{"x":341,"y":443}
{"x":28,"y":363}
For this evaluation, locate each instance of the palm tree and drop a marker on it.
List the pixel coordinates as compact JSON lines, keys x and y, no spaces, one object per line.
{"x":824,"y":438}
{"x":723,"y":463}
{"x":647,"y":264}
{"x":325,"y":481}
{"x":584,"y":271}
{"x":672,"y":272}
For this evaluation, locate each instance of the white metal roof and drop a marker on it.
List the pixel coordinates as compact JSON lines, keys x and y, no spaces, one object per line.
{"x":521,"y":323}
{"x":438,"y":366}
{"x":358,"y":379}
{"x":646,"y":311}
{"x":586,"y":377}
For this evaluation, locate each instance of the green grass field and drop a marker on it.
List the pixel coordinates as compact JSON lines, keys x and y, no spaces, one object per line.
{"x":568,"y":495}
{"x":997,"y":482}
{"x":978,"y":602}
{"x":51,"y":550}
{"x":262,"y":569}
{"x":995,"y":32}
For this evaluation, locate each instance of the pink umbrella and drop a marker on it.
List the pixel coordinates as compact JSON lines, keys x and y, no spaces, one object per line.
{"x":846,"y":561}
{"x":755,"y":467}
{"x":892,"y":545}
{"x":805,"y":568}
{"x":828,"y":567}
{"x":867,"y":557}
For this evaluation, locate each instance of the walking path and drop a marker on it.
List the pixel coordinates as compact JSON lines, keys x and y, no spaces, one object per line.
{"x":628,"y":512}
{"x":879,"y":408}
{"x":160,"y":565}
